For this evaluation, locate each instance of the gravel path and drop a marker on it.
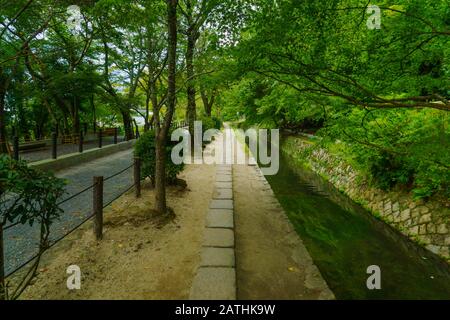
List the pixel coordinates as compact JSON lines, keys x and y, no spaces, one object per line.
{"x":21,"y":241}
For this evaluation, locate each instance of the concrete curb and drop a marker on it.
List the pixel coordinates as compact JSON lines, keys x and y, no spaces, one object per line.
{"x":70,"y":160}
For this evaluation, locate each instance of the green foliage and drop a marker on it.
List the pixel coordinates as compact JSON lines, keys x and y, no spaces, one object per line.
{"x":389,"y":171}
{"x":306,"y":65}
{"x":272,"y":104}
{"x":210,"y":122}
{"x":217,"y":122}
{"x":28,"y":195}
{"x":396,"y":148}
{"x":145,"y":150}
{"x":300,"y":65}
{"x":324,"y":48}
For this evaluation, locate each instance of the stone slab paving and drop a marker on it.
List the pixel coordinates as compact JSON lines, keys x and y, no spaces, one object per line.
{"x":220,"y":218}
{"x":219,"y":238}
{"x":223,"y":194}
{"x":224,"y":185}
{"x":224,"y":166}
{"x":218,"y":257}
{"x":224,"y":173}
{"x":216,"y":277}
{"x":221,"y":204}
{"x":214,"y":284}
{"x":224,"y":177}
{"x":272,"y":260}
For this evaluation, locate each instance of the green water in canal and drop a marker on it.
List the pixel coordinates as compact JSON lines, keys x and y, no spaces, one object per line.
{"x":344,"y":239}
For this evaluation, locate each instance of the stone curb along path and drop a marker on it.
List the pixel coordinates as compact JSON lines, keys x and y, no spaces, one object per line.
{"x":216,"y":276}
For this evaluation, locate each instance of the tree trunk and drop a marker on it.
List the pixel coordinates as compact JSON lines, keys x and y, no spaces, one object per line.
{"x":127,"y":124}
{"x":65,"y":129}
{"x":154,"y":100}
{"x":160,"y":175}
{"x":208,"y":104}
{"x":94,"y":116}
{"x":22,"y":129}
{"x":3,"y":148}
{"x":191,"y":112}
{"x":147,"y":113}
{"x":162,"y":131}
{"x":76,"y":116}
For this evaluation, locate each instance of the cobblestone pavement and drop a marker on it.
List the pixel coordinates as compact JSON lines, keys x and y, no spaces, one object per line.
{"x":21,"y":241}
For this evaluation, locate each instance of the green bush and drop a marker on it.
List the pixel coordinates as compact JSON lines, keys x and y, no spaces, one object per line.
{"x":210,"y":122}
{"x":397,"y":149}
{"x":145,"y":150}
{"x":217,"y":122}
{"x":389,"y":171}
{"x":28,"y":195}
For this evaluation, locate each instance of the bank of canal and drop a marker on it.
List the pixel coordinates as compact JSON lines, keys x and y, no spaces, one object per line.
{"x":344,"y":239}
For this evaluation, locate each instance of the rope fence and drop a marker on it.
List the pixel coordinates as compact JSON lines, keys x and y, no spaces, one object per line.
{"x":98,"y":203}
{"x":97,"y":209}
{"x":118,"y":173}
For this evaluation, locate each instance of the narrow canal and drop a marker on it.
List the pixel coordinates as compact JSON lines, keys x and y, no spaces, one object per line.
{"x":344,"y":239}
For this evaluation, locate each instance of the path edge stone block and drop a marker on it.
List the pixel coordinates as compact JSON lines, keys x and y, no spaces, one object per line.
{"x":216,"y":276}
{"x":220,"y":218}
{"x":221,"y":204}
{"x":218,"y":257}
{"x":218,"y":238}
{"x":214,"y":284}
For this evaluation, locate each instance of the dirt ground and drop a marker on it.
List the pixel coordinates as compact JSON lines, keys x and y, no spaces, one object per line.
{"x":272,"y":262}
{"x":140,"y":256}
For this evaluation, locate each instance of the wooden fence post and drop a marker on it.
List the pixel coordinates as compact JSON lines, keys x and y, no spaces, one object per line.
{"x":98,"y":207}
{"x":100,"y":138}
{"x":80,"y":142}
{"x":137,"y":176}
{"x":2,"y":267}
{"x":16,"y":148}
{"x":54,"y":146}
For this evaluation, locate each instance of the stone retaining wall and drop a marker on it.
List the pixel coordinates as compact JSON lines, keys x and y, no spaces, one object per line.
{"x":427,"y":223}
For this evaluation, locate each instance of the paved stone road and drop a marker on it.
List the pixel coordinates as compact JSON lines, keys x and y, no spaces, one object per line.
{"x":21,"y":241}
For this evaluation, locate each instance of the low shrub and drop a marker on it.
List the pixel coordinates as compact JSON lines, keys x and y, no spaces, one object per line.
{"x":28,"y":196}
{"x":210,"y":122}
{"x":145,"y":150}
